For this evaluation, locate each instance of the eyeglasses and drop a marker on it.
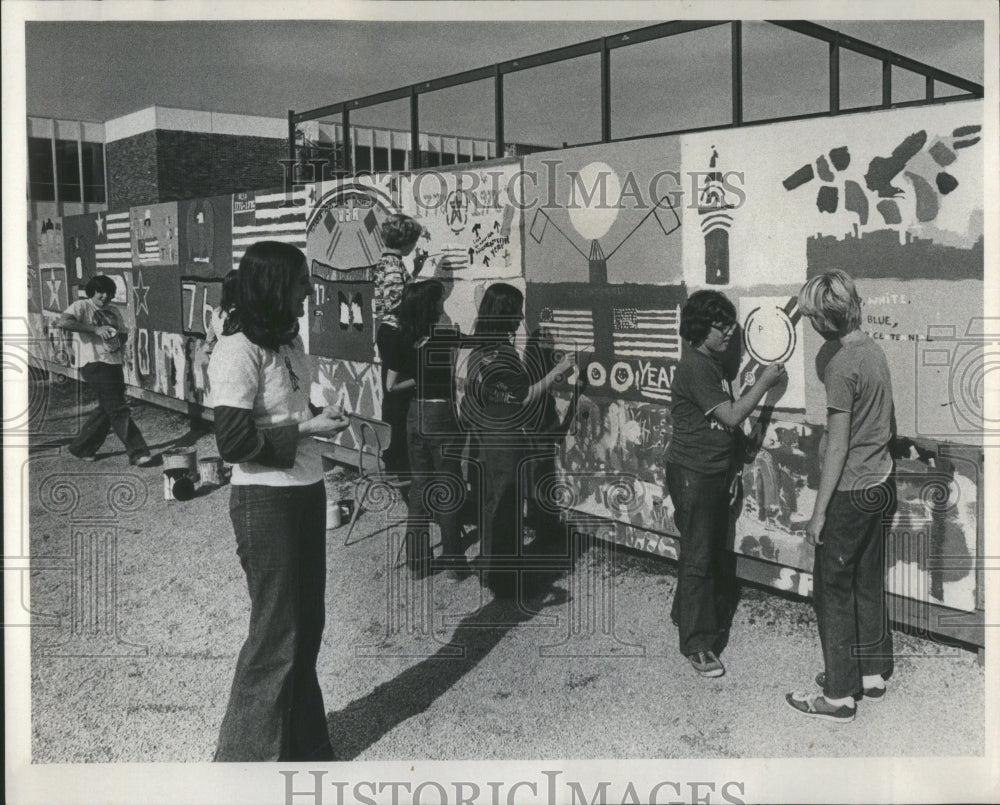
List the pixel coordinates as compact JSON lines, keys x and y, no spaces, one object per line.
{"x":725,"y":329}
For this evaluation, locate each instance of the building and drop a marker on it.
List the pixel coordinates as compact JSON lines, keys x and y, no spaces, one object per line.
{"x":167,"y":154}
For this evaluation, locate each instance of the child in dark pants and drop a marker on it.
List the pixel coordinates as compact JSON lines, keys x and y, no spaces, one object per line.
{"x":701,"y":459}
{"x":854,"y":504}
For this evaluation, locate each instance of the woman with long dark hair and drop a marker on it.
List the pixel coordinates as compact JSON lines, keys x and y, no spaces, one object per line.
{"x":260,"y":396}
{"x":503,"y":408}
{"x":426,"y":365}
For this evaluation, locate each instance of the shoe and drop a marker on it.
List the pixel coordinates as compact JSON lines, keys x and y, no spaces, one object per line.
{"x":81,"y":458}
{"x":706,"y":663}
{"x":816,"y":705}
{"x":143,"y":461}
{"x":872,"y":694}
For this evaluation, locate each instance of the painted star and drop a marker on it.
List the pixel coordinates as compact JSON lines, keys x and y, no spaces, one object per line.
{"x":141,"y":301}
{"x":100,"y":225}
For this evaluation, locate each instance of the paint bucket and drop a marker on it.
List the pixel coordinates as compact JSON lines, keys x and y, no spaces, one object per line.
{"x":210,"y":470}
{"x":181,"y":458}
{"x":178,"y":485}
{"x":180,"y":473}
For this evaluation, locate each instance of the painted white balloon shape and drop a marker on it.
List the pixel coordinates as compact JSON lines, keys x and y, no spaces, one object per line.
{"x":592,"y":217}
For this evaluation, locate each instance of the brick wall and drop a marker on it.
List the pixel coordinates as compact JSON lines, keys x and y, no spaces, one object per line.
{"x":195,"y":165}
{"x":132,"y":171}
{"x":171,"y":165}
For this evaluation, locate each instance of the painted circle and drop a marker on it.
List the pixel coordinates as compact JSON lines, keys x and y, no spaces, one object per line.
{"x":621,"y":376}
{"x":769,"y":334}
{"x":597,"y":375}
{"x":594,"y":212}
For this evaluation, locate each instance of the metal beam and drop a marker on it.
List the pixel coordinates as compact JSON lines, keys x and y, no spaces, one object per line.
{"x":348,"y":151}
{"x":550,"y":56}
{"x":414,"y":131}
{"x":880,"y":53}
{"x":605,"y":93}
{"x":498,"y":109}
{"x":834,"y":78}
{"x":454,"y":80}
{"x":660,"y":31}
{"x":737,"y":72}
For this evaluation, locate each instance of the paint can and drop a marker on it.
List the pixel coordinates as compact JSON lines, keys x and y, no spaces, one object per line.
{"x":180,"y":473}
{"x":178,"y":485}
{"x":210,"y":470}
{"x":181,"y":458}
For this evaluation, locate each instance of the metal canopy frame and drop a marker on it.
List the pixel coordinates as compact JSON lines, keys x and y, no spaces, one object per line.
{"x":603,"y":46}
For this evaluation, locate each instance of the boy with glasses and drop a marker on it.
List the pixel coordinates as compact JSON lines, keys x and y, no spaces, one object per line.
{"x":702,"y":460}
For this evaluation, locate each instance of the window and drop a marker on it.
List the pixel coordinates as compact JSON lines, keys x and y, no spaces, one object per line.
{"x":381,"y":159}
{"x":41,"y":177}
{"x":68,"y":170}
{"x":398,"y":159}
{"x":93,"y":172}
{"x":362,"y":159}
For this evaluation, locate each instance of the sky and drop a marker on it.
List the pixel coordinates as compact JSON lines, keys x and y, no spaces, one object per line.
{"x":101,"y":70}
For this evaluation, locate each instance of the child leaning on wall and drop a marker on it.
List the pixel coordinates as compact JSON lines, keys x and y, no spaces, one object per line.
{"x":400,"y":234}
{"x":856,"y":497}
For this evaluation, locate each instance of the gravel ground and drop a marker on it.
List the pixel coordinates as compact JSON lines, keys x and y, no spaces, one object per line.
{"x":434,"y":670}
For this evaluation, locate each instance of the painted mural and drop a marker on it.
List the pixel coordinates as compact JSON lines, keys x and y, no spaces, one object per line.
{"x":608,"y":242}
{"x":471,"y":219}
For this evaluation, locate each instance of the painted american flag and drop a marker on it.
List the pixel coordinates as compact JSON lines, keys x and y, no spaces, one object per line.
{"x":149,"y":250}
{"x":647,"y":333}
{"x":113,"y":245}
{"x":571,"y":330}
{"x":268,"y":216}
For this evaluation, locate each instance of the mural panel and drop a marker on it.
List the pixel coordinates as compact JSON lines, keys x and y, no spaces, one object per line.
{"x":471,"y":219}
{"x":154,"y":235}
{"x":262,"y":215}
{"x":340,"y":320}
{"x":629,"y":334}
{"x":205,"y":239}
{"x":605,"y":214}
{"x":80,"y":241}
{"x":343,"y":232}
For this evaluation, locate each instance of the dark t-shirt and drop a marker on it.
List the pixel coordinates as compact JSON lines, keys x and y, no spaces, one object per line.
{"x":431,"y":365}
{"x":497,"y":387}
{"x":699,"y":441}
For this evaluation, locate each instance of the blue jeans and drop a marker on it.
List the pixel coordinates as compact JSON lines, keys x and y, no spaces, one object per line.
{"x":275,"y":709}
{"x":112,"y":412}
{"x":501,"y":526}
{"x":704,"y":583}
{"x":849,"y":589}
{"x":437,"y":481}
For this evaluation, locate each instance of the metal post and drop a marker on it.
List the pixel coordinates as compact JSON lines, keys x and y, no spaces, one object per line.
{"x":345,"y":117}
{"x":929,"y":89}
{"x":886,"y":84}
{"x":414,"y":130}
{"x":834,"y":78}
{"x":605,"y":91}
{"x":737,"y":52}
{"x":291,"y":138}
{"x":498,"y":109}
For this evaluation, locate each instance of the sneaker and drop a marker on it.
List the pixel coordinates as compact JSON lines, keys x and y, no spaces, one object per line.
{"x":872,"y":694}
{"x":816,"y":705}
{"x":143,"y":461}
{"x":706,"y":663}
